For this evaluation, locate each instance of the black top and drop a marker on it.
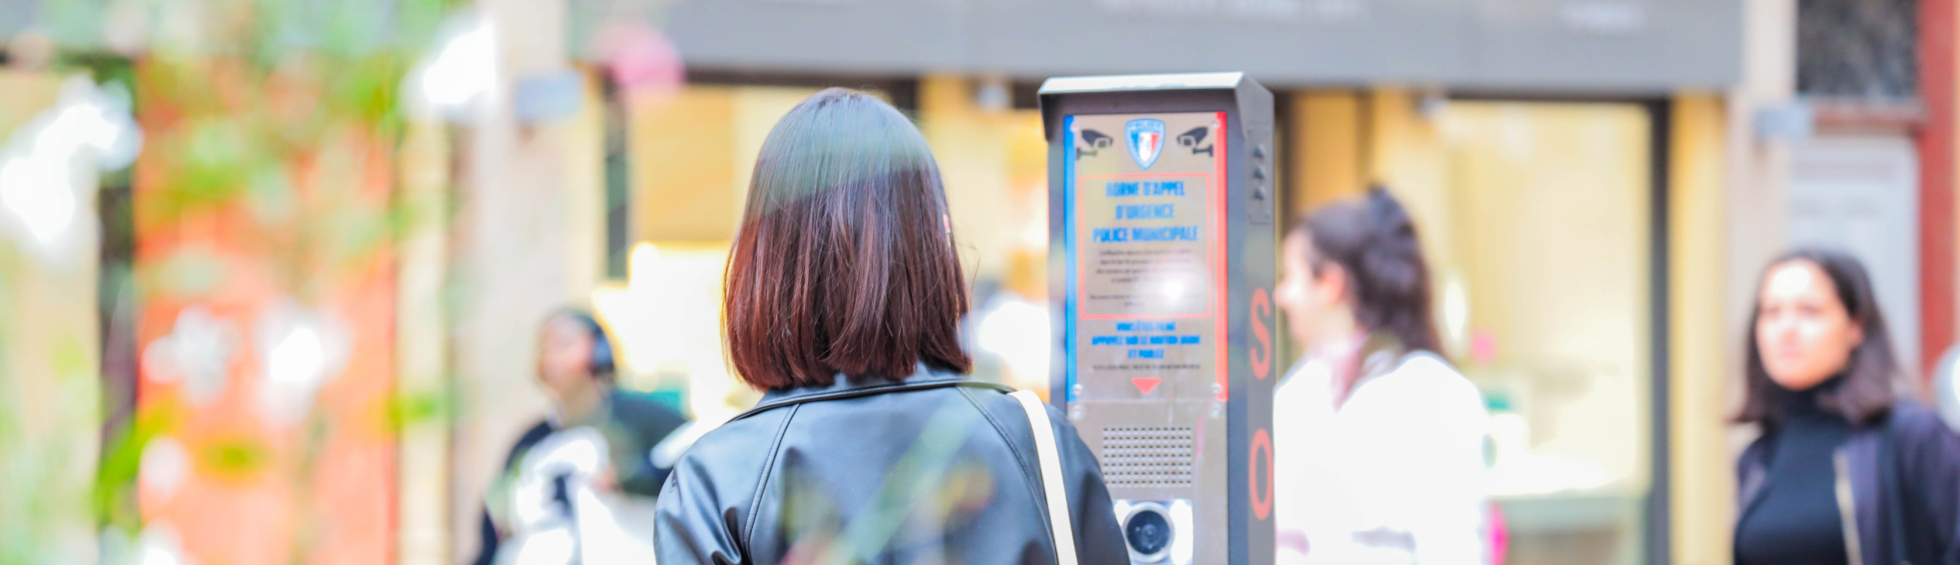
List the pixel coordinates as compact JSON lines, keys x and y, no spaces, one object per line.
{"x":1797,"y":520}
{"x":1905,"y":473}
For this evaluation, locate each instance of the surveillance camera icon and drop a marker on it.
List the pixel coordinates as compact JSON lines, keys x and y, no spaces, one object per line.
{"x":1097,"y":139}
{"x":1192,"y":139}
{"x":1097,"y":142}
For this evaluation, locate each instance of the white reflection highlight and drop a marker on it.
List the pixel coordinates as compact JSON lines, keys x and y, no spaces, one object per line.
{"x":198,"y":351}
{"x":1456,"y":312}
{"x":642,"y":266}
{"x":602,"y":538}
{"x":1016,"y":331}
{"x":461,"y":74}
{"x":163,"y":467}
{"x":300,"y":350}
{"x":40,"y":194}
{"x":297,"y":357}
{"x":1182,"y":522}
{"x":555,"y":546}
{"x":1174,"y":291}
{"x":48,"y":168}
{"x":160,"y":545}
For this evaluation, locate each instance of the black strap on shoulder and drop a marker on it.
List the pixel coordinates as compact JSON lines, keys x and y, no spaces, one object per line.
{"x":867,"y":391}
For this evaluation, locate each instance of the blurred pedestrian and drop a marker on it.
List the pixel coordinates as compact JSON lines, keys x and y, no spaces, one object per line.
{"x":598,"y":441}
{"x":1846,"y":470}
{"x":843,"y":301}
{"x":1379,"y":440}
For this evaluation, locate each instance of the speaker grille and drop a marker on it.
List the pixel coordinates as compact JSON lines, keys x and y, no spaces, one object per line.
{"x":1133,"y":456}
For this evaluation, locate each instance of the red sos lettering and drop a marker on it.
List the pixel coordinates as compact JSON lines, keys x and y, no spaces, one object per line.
{"x":1262,"y":460}
{"x":1262,"y":334}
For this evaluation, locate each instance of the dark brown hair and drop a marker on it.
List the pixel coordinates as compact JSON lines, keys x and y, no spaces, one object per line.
{"x":1374,"y":242}
{"x":844,"y":263}
{"x":1865,"y":391}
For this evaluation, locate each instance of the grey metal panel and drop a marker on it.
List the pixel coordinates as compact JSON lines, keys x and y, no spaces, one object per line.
{"x":1291,"y":41}
{"x":1190,"y":81}
{"x":1614,"y":45}
{"x":1131,"y":93}
{"x":1245,"y":537}
{"x":1605,"y":44}
{"x":899,"y":36}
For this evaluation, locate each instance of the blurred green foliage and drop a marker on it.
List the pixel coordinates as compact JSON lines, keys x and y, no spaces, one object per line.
{"x":407,"y":409}
{"x":262,"y":98}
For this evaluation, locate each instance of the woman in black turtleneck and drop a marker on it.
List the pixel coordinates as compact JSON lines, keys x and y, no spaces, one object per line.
{"x":1845,"y":472}
{"x":1797,"y":521}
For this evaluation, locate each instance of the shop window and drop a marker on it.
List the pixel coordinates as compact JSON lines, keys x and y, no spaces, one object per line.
{"x":1541,"y":243}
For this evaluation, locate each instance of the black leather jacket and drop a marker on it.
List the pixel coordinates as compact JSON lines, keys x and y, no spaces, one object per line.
{"x":934,"y":469}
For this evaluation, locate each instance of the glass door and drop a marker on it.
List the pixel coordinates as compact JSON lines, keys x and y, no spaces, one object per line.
{"x":1546,"y":282}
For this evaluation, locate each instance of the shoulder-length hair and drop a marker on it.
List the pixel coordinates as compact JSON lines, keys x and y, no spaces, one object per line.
{"x":845,"y":262}
{"x":1866,"y":391}
{"x":1374,"y":241}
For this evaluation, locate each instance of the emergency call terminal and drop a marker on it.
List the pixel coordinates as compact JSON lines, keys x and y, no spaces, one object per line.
{"x":1162,"y":211}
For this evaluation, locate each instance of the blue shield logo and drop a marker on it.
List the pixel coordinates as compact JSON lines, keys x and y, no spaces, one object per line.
{"x":1146,"y":140}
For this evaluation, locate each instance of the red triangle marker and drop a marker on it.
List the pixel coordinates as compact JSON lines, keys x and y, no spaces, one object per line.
{"x":1146,"y":384}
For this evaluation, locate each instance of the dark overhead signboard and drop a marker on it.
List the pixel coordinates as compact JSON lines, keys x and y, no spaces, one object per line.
{"x":1607,"y":45}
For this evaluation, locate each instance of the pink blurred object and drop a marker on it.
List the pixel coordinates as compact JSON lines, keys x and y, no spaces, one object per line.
{"x":1483,"y":347}
{"x":1500,"y":535}
{"x":641,"y":59}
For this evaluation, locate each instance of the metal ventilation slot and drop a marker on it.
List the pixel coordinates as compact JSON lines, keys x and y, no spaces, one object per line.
{"x":1155,"y":457}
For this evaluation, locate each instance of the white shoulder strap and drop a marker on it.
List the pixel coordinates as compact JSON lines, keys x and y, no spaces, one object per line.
{"x":1051,"y":476}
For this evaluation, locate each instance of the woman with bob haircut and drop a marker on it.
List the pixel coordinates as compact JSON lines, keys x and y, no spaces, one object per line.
{"x":1846,"y":470}
{"x":842,"y":303}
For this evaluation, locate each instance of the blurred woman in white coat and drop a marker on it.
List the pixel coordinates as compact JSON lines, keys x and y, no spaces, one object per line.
{"x":1379,"y":439}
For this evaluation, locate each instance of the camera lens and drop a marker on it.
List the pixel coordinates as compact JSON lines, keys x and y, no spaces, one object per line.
{"x":1149,"y":533}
